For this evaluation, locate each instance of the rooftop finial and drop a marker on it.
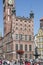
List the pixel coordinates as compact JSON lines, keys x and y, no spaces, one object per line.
{"x":31,"y":14}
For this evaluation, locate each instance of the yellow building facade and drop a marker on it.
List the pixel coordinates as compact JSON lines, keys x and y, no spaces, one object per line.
{"x":39,"y":43}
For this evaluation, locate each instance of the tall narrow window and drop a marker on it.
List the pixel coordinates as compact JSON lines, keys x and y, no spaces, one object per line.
{"x":16,"y":36}
{"x":16,"y":46}
{"x":8,"y":11}
{"x":8,"y":47}
{"x":20,"y":36}
{"x":25,"y":37}
{"x":30,"y":56}
{"x":21,"y":47}
{"x":30,"y":47}
{"x":25,"y":47}
{"x":29,"y":37}
{"x":25,"y":55}
{"x":8,"y":18}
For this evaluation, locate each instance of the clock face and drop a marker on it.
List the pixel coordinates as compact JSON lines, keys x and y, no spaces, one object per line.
{"x":10,"y":2}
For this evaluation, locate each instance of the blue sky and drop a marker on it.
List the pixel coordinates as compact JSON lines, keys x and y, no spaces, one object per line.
{"x":23,"y":8}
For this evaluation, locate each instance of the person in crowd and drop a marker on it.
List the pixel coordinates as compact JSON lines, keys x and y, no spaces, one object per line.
{"x":8,"y":62}
{"x":0,"y":61}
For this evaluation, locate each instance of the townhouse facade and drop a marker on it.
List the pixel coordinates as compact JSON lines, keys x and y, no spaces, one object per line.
{"x":18,"y":33}
{"x":39,"y":43}
{"x":39,"y":39}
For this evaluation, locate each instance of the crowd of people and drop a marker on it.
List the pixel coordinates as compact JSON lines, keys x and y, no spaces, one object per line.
{"x":7,"y":62}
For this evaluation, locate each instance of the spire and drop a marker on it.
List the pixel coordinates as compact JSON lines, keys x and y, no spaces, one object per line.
{"x":31,"y":14}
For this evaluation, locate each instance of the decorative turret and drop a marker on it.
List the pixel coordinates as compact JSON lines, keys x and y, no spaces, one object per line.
{"x":31,"y":14}
{"x":13,"y":11}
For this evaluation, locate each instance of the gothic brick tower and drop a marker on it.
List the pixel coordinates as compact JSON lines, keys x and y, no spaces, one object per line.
{"x":8,"y":5}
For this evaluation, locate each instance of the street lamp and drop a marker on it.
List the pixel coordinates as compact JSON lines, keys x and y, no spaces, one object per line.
{"x":36,"y":53}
